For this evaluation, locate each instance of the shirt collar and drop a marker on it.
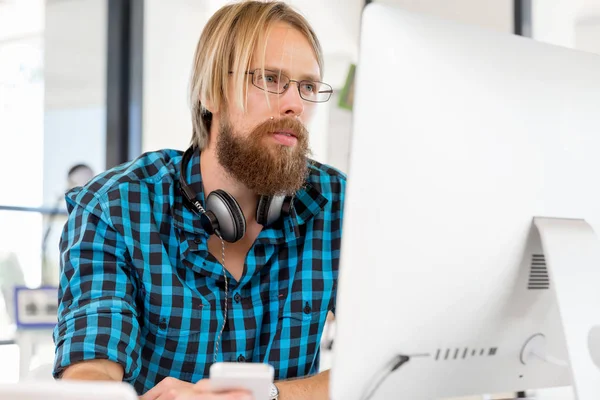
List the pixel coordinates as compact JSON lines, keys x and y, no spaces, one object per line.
{"x":308,"y":202}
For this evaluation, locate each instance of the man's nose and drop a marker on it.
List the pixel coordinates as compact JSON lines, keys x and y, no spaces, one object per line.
{"x":290,"y":102}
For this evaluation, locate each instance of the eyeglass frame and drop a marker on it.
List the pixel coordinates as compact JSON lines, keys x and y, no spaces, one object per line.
{"x":280,"y":74}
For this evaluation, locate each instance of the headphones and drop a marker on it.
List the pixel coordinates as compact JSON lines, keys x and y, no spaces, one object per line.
{"x":223,"y":215}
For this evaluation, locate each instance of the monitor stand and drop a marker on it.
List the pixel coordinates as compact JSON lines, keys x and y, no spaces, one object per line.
{"x":572,"y":255}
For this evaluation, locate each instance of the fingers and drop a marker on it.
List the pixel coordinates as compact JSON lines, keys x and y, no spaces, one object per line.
{"x":203,"y":388}
{"x":174,"y":389}
{"x":188,"y":395}
{"x":237,"y":395}
{"x":171,"y":394}
{"x":166,"y":388}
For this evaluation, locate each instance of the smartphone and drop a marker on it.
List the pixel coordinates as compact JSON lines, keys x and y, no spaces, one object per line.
{"x":256,"y":378}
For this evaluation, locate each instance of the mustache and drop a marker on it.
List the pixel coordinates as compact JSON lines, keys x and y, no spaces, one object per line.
{"x":285,"y":123}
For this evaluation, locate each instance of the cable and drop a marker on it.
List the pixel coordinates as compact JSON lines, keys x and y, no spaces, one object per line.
{"x":198,"y":212}
{"x":383,"y":373}
{"x":226,"y":295}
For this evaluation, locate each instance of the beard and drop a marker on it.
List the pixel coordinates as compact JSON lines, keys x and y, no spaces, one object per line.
{"x":262,"y":165}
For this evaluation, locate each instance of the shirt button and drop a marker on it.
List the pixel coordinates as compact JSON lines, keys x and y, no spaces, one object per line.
{"x":241,"y":358}
{"x":237,"y":298}
{"x":307,"y":308}
{"x":197,"y":240}
{"x":162,"y":324}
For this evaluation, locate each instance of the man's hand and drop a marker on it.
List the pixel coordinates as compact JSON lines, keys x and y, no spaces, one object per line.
{"x":315,"y":387}
{"x":174,"y":389}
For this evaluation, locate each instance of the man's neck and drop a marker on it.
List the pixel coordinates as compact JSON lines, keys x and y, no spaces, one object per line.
{"x":215,"y":177}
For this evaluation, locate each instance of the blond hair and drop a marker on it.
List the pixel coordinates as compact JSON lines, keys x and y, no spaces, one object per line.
{"x":227,"y":44}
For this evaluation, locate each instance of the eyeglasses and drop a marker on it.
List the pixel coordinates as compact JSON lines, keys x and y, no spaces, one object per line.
{"x":278,"y":83}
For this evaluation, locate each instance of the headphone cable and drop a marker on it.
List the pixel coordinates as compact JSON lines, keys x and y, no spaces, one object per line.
{"x":226,"y":295}
{"x":199,"y":209}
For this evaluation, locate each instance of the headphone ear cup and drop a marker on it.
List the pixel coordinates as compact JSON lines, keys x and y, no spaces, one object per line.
{"x":229,"y":215}
{"x":262,"y":210}
{"x":269,"y":209}
{"x":286,"y":207}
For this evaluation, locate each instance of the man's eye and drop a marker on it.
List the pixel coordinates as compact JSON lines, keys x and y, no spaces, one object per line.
{"x":309,"y":87}
{"x":268,"y":78}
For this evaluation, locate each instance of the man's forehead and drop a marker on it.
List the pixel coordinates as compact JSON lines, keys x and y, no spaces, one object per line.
{"x":284,"y":44}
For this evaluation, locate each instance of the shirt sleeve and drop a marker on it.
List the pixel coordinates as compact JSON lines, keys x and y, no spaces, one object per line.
{"x":97,"y":318}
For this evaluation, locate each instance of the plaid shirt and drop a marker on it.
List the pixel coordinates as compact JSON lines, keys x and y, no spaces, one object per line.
{"x":139,"y":287}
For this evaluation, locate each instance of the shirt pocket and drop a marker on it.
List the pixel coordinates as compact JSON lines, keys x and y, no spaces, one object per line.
{"x":180,"y":314}
{"x":300,"y":313}
{"x":298,"y":335}
{"x":176,"y":333}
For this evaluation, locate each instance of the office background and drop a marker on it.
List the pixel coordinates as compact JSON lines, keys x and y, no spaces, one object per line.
{"x":100,"y":81}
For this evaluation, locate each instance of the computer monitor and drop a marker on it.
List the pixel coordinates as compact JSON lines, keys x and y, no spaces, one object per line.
{"x":467,"y":145}
{"x":68,"y":390}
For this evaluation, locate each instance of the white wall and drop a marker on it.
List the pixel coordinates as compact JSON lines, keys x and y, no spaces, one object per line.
{"x":556,"y":21}
{"x":21,"y":19}
{"x":587,"y":32}
{"x":75,"y":90}
{"x":171,"y":31}
{"x":490,"y":14}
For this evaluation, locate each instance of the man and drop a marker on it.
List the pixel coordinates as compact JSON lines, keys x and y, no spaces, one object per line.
{"x":144,"y":296}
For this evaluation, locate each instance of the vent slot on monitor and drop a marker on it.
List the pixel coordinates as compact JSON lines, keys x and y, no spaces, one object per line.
{"x":538,"y":273}
{"x":449,"y":354}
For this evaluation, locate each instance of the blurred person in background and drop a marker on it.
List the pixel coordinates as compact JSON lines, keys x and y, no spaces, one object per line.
{"x":78,"y":175}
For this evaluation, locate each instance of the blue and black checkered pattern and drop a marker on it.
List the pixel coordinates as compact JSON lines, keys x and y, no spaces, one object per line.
{"x":139,"y":287}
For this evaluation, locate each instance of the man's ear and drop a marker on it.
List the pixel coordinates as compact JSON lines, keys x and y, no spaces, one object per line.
{"x":214,"y":110}
{"x":206,"y":106}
